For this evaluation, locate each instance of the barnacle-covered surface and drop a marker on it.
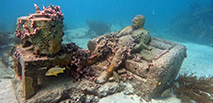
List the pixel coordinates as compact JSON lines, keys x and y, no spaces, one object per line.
{"x":76,"y":63}
{"x":43,"y":30}
{"x":190,"y":87}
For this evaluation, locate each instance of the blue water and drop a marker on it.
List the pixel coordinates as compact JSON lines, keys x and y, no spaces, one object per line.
{"x":160,"y":17}
{"x":189,"y":22}
{"x":158,"y":13}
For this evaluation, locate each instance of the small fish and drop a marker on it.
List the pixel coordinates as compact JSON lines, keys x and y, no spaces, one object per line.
{"x":76,"y":34}
{"x":54,"y":71}
{"x":159,"y":83}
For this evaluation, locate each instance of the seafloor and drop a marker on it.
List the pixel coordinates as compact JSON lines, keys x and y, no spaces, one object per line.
{"x":198,"y":61}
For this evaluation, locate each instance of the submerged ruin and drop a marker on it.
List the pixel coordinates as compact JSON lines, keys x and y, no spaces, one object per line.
{"x":120,"y":62}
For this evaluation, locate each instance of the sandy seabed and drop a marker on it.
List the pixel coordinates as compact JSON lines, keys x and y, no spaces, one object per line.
{"x":199,"y":61}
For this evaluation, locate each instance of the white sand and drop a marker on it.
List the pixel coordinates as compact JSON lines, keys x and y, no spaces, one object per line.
{"x":6,"y":92}
{"x":120,"y":98}
{"x":199,"y":61}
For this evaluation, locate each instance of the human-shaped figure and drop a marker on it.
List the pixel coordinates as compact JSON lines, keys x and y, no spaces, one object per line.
{"x":141,"y":36}
{"x":130,"y":35}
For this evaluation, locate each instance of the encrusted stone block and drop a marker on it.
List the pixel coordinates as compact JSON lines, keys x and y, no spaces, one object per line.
{"x":43,"y":33}
{"x":26,"y":68}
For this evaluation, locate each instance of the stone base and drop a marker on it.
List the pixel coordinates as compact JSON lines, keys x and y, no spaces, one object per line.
{"x":63,"y":89}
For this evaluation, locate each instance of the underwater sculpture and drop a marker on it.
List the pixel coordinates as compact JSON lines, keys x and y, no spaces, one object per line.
{"x":141,"y":36}
{"x":149,"y":64}
{"x":137,"y":61}
{"x":42,"y":31}
{"x":41,"y":54}
{"x":41,"y":34}
{"x":131,"y":39}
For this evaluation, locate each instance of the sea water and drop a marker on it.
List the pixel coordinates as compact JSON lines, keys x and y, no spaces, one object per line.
{"x":188,"y":22}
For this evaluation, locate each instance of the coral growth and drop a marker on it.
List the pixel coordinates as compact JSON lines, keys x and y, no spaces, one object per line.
{"x":191,"y":87}
{"x":70,"y":47}
{"x":78,"y":64}
{"x":107,"y":48}
{"x":26,"y":32}
{"x":42,"y":30}
{"x":80,"y":67}
{"x":52,"y":13}
{"x":104,"y":48}
{"x":97,"y":27}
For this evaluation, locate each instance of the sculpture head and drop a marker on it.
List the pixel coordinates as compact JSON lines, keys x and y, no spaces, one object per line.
{"x":138,"y":21}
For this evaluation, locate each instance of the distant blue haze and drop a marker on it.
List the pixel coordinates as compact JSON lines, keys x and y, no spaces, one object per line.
{"x":158,"y":13}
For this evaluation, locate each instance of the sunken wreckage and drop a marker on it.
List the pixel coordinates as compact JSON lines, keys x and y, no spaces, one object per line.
{"x":149,"y":72}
